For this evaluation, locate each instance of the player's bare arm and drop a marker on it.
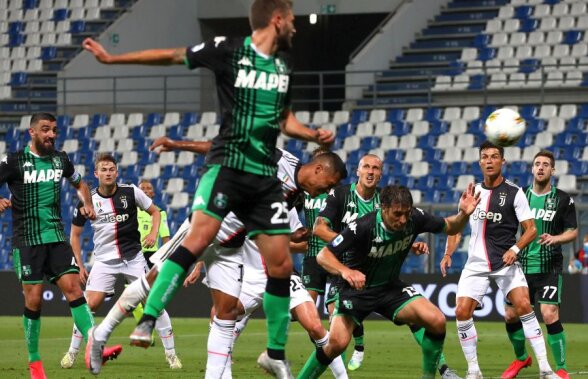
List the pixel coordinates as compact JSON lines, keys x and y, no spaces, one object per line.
{"x":87,"y":209}
{"x":527,"y":237}
{"x":560,"y":239}
{"x":76,"y":246}
{"x":161,"y":57}
{"x":167,"y":144}
{"x":151,"y":238}
{"x":294,"y":128}
{"x":419,"y":248}
{"x":322,"y":230}
{"x":450,"y":247}
{"x":329,"y":262}
{"x":4,"y":204}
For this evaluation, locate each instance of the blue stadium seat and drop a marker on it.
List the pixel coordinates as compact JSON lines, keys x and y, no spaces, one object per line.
{"x":189,"y":118}
{"x":48,"y":53}
{"x":523,"y":11}
{"x":29,"y":4}
{"x":63,"y":121}
{"x":153,"y":119}
{"x":481,"y":40}
{"x":354,"y":156}
{"x":438,"y":127}
{"x":431,"y":154}
{"x":486,"y":53}
{"x":98,"y":119}
{"x":578,"y":168}
{"x":358,"y":116}
{"x":16,"y":27}
{"x":528,"y":66}
{"x":15,"y":40}
{"x":426,"y":141}
{"x":346,"y":130}
{"x":170,"y":172}
{"x":400,"y":128}
{"x":458,"y":168}
{"x":477,"y":82}
{"x":528,"y":111}
{"x":583,"y":111}
{"x":438,"y":168}
{"x":369,"y":143}
{"x":433,"y":114}
{"x":572,"y":37}
{"x":396,"y":115}
{"x":18,"y":79}
{"x":77,"y":27}
{"x":529,"y":25}
{"x":431,"y":196}
{"x":60,"y":14}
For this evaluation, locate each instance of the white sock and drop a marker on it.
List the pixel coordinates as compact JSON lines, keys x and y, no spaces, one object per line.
{"x":220,"y":341}
{"x":76,"y":340}
{"x":468,"y":339}
{"x":338,"y":368}
{"x":164,"y":329}
{"x":534,"y":335}
{"x":135,"y":293}
{"x":322,"y":341}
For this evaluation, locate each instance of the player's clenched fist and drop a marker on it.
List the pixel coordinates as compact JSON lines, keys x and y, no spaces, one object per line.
{"x":5,"y":204}
{"x":97,"y":50}
{"x":355,"y":278}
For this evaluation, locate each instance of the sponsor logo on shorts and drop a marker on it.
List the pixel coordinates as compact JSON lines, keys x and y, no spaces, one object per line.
{"x":347,"y":304}
{"x":26,"y":270}
{"x":220,"y":201}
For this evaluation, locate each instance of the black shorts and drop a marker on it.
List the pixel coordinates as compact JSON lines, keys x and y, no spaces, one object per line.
{"x":147,"y":255}
{"x":314,"y":276}
{"x":386,"y":300}
{"x":257,"y":200}
{"x":52,"y":260}
{"x":334,"y":289}
{"x":545,"y":288}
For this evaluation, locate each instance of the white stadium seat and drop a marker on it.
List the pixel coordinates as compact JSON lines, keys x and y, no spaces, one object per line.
{"x":179,"y":200}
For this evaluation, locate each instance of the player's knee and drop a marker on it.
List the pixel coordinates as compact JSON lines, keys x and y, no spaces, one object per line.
{"x":550,"y":315}
{"x":510,"y":316}
{"x":316,"y":330}
{"x":437,"y":323}
{"x":280,"y":268}
{"x":33,"y":303}
{"x":462,"y":313}
{"x":336,"y":346}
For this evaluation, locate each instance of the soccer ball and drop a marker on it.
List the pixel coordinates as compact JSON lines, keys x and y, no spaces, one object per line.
{"x":504,"y":127}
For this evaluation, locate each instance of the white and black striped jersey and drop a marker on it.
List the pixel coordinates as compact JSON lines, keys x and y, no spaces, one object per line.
{"x":494,"y":224}
{"x":116,"y":230}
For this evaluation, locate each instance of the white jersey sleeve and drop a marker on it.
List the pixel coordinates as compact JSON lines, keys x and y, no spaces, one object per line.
{"x":143,"y":201}
{"x":295,"y":223}
{"x":522,"y":208}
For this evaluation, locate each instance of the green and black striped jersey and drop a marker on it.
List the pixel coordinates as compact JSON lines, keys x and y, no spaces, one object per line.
{"x":377,"y":251}
{"x":253,"y":91}
{"x":35,"y":185}
{"x":554,"y":213}
{"x":312,"y":208}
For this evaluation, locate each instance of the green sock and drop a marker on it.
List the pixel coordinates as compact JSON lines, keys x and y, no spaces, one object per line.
{"x":358,"y":340}
{"x":277,"y":313}
{"x":170,"y":278}
{"x":558,"y":349}
{"x":312,"y":368}
{"x":516,"y":335}
{"x":432,"y":348}
{"x":82,"y":317}
{"x":32,"y":329}
{"x":418,"y":337}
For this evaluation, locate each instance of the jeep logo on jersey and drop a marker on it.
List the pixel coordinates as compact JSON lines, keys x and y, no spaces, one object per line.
{"x":261,"y":80}
{"x":349,"y":217}
{"x":390,"y":249}
{"x":114,"y":218}
{"x":35,"y":176}
{"x":315,"y":204}
{"x":542,"y":214}
{"x":480,"y":214}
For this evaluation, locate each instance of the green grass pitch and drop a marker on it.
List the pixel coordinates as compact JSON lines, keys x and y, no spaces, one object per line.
{"x":390,"y":351}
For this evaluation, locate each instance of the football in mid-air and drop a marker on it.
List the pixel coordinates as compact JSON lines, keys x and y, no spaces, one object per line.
{"x":504,"y":127}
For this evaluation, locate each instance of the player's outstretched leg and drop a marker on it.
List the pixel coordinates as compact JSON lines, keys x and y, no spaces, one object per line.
{"x":69,"y":358}
{"x":164,"y":329}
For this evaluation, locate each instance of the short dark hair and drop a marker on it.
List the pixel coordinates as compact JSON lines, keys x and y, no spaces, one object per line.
{"x":318,"y":151}
{"x":395,"y":194}
{"x":546,"y":154}
{"x":104,"y":157}
{"x":489,"y":145}
{"x":42,"y":116}
{"x":332,"y":160}
{"x":261,"y":11}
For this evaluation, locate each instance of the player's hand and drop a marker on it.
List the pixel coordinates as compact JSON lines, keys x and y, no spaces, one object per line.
{"x":163,"y":143}
{"x":355,"y":278}
{"x":83,"y":274}
{"x":194,"y":275}
{"x":300,"y":235}
{"x":96,"y":49}
{"x":324,"y":137}
{"x":509,"y":257}
{"x":445,"y":264}
{"x":5,"y":204}
{"x":420,"y":248}
{"x":548,"y":239}
{"x":469,"y":199}
{"x":87,"y":210}
{"x":149,"y":240}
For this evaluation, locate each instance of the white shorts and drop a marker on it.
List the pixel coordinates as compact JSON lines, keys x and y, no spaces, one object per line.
{"x":254,"y":288}
{"x":166,"y":249}
{"x":103,"y":275}
{"x":474,"y":284}
{"x":224,"y":269}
